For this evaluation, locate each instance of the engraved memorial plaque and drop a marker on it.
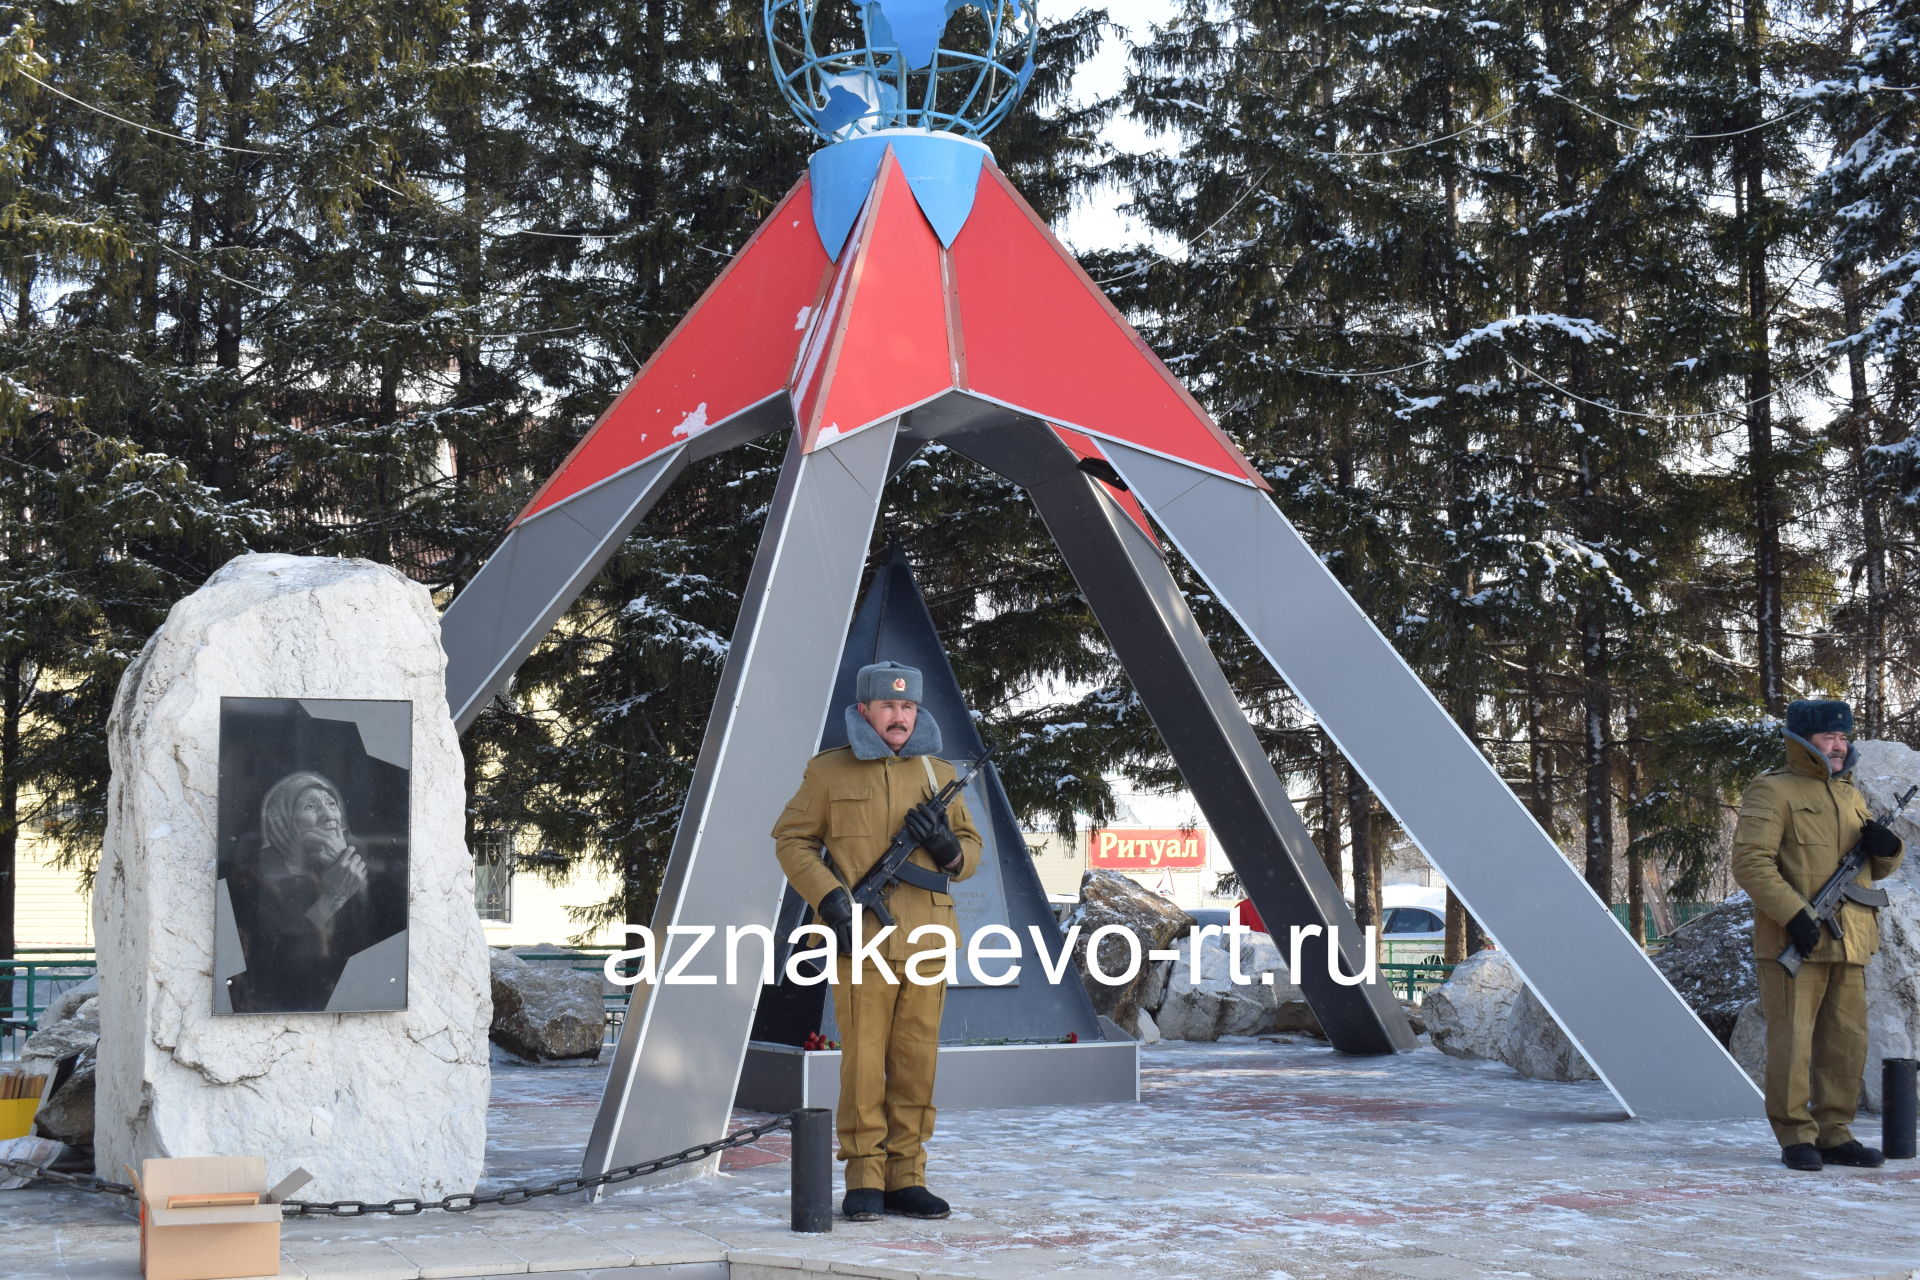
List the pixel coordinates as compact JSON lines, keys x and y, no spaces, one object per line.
{"x":311,"y":898}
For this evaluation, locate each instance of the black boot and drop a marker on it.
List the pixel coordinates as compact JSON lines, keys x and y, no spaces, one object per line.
{"x":864,"y":1204}
{"x":917,"y":1202}
{"x":1803,"y":1157}
{"x":1851,"y":1152}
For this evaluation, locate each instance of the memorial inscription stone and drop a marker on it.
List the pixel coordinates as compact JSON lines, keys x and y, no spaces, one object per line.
{"x":285,"y":841}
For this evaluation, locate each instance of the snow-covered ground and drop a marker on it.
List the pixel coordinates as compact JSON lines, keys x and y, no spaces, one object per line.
{"x":1246,"y":1158}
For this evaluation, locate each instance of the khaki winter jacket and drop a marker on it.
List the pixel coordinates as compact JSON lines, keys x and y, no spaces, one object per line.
{"x":853,"y":808}
{"x":1796,"y":823}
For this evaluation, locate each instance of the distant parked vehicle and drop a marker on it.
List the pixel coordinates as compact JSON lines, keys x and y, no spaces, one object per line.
{"x":1414,"y":923}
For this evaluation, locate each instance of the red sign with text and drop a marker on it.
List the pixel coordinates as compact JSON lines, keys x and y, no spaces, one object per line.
{"x":1146,"y":849}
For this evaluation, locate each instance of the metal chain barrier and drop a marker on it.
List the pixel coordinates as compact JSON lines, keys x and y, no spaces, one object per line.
{"x":461,"y":1203}
{"x":82,"y":1181}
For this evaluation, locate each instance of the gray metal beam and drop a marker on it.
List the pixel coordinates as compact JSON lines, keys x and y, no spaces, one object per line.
{"x":1618,"y":1009}
{"x":674,"y":1073}
{"x":542,"y":565}
{"x":1173,"y":669}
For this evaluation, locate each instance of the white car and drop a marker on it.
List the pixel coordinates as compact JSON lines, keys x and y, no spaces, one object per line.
{"x":1414,"y":924}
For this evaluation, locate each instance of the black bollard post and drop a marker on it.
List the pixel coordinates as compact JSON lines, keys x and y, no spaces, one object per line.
{"x":1897,"y":1080}
{"x":813,"y":1169}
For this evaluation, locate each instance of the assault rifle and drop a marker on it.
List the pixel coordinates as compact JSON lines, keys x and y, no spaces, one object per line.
{"x":871,"y":892}
{"x":1842,"y":886}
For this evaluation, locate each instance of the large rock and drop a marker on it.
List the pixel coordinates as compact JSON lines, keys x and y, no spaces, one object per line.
{"x":1748,"y":1044}
{"x":1484,"y":1010}
{"x":1109,"y":898}
{"x":1709,"y":961}
{"x":1883,"y":773}
{"x":68,"y":1115}
{"x":76,"y":1030}
{"x":1207,"y":1003}
{"x":545,"y":1011}
{"x":339,"y":1093}
{"x":68,"y":1002}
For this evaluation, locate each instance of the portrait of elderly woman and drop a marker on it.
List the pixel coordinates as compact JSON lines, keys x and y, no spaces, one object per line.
{"x":299,"y":900}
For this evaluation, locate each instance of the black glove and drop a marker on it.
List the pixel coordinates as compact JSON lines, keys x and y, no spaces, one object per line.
{"x":1876,"y":841}
{"x":931,"y":832}
{"x":836,"y":912}
{"x":1805,"y":932}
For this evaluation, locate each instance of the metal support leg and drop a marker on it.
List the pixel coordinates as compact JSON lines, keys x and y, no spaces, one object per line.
{"x":1166,"y":656}
{"x":1617,"y":1008}
{"x":674,"y":1074}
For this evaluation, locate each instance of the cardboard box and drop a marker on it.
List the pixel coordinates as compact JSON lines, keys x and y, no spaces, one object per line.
{"x":216,"y":1241}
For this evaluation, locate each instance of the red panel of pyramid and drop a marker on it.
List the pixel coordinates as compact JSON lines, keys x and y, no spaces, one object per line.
{"x":1041,"y":337}
{"x":882,"y":344}
{"x":732,"y":351}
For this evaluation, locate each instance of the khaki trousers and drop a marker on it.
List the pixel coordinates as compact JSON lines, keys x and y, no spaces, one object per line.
{"x":889,"y":1048}
{"x":1816,"y":1050}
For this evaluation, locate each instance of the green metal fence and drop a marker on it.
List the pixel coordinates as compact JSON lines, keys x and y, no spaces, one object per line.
{"x":1411,"y":982}
{"x":1682,"y":912}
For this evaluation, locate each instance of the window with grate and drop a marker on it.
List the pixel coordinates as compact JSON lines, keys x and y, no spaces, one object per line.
{"x":493,"y":875}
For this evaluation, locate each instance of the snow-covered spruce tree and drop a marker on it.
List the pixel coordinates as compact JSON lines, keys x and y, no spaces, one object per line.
{"x":153,"y":231}
{"x":1317,"y":252}
{"x":1869,"y":200}
{"x":1726,"y":113}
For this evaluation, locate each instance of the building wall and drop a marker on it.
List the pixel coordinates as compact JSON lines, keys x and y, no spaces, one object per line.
{"x":50,"y":908}
{"x":538,"y":911}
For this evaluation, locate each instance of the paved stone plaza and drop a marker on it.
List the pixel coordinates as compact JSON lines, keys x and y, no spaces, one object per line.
{"x":1283,"y":1161}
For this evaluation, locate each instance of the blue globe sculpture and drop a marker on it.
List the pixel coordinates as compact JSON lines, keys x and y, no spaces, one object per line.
{"x":849,"y":68}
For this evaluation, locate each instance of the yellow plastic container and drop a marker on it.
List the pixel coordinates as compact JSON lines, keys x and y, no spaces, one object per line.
{"x":16,"y":1117}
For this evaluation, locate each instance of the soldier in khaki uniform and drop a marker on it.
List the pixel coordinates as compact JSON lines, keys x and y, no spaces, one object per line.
{"x":851,"y":803}
{"x":1796,"y":823}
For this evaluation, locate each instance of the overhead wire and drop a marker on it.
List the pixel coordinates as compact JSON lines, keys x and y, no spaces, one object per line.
{"x":256,"y":151}
{"x":1739,"y":408}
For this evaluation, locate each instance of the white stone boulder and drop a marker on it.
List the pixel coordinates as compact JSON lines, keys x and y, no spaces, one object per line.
{"x":1484,"y":1010}
{"x":1207,"y":1003}
{"x":1883,"y":773}
{"x":374,"y":1105}
{"x":546,"y":1011}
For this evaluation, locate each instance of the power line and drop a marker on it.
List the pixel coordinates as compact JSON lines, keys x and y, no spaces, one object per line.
{"x":1680,"y":137}
{"x":255,"y":151}
{"x":1430,"y":142}
{"x":198,"y":142}
{"x":1658,"y":417}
